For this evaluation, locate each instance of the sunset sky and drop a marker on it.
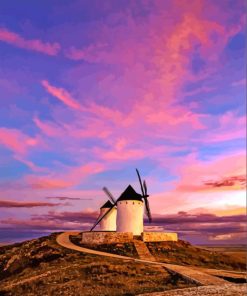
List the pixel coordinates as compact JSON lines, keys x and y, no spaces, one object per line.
{"x":90,"y":90}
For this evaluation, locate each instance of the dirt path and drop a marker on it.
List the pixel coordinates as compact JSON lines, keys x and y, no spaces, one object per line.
{"x":223,"y":273}
{"x":143,"y":251}
{"x":187,"y":273}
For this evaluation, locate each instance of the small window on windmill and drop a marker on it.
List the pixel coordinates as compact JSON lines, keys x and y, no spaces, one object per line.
{"x":133,"y":203}
{"x":126,"y":202}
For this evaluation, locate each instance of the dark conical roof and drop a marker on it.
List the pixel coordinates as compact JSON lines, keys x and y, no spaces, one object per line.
{"x":130,"y":194}
{"x":107,"y":204}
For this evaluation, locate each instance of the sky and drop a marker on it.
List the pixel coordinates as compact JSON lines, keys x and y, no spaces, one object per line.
{"x":91,"y":90}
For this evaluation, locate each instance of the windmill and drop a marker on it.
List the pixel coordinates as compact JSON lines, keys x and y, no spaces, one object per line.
{"x":107,"y":216}
{"x":129,"y":209}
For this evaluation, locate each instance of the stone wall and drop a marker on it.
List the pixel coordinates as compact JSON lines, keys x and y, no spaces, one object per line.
{"x":106,"y":237}
{"x":159,"y":236}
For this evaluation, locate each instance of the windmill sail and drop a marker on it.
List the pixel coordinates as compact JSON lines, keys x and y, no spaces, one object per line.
{"x":108,"y":193}
{"x":145,"y":196}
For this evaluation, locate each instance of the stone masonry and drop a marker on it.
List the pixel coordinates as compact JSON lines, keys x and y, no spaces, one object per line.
{"x":111,"y":237}
{"x":106,"y":237}
{"x":159,"y":236}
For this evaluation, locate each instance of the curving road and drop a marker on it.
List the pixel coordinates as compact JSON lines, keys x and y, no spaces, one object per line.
{"x":190,"y":274}
{"x":64,"y":241}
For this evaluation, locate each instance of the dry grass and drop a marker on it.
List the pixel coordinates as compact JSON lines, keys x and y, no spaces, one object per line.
{"x":238,"y":253}
{"x":186,"y":254}
{"x":123,"y":249}
{"x":41,"y":267}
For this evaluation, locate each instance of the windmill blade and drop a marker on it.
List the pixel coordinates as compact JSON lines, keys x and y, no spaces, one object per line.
{"x":139,"y":177}
{"x":145,"y":187}
{"x":97,"y":222}
{"x":108,"y":193}
{"x":148,"y":210}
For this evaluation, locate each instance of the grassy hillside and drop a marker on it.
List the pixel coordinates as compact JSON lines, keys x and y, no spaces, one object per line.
{"x":41,"y":267}
{"x":184,"y":253}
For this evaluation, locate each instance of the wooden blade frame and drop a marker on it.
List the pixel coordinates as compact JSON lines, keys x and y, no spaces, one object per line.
{"x":148,"y":210}
{"x":139,"y":177}
{"x":108,"y":193}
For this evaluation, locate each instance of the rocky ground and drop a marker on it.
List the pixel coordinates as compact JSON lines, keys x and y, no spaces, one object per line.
{"x":41,"y":267}
{"x":223,"y":290}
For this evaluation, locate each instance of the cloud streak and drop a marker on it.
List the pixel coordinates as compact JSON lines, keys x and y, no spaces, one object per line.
{"x":37,"y":45}
{"x":61,"y":95}
{"x":16,"y":204}
{"x":67,"y":198}
{"x":233,"y":181}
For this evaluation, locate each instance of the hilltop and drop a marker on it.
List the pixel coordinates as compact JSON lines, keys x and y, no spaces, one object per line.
{"x":42,"y":267}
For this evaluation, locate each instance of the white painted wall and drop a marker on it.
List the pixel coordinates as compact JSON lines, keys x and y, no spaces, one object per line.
{"x":130,"y":216}
{"x":108,"y":223}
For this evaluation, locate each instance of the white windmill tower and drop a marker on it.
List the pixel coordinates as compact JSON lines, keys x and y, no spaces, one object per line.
{"x":108,"y":214}
{"x":130,"y":212}
{"x":129,"y":209}
{"x":109,"y":221}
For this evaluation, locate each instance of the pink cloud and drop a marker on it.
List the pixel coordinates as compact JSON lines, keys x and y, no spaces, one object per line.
{"x":163,"y":76}
{"x":93,"y":108}
{"x":195,"y":174}
{"x":123,"y":154}
{"x":237,"y":182}
{"x":170,"y":118}
{"x":111,"y":125}
{"x":17,"y":141}
{"x":32,"y":44}
{"x":217,"y":183}
{"x":153,"y":108}
{"x":230,"y":127}
{"x":119,"y":151}
{"x":51,"y":129}
{"x":76,"y":129}
{"x":61,"y":94}
{"x":48,"y":183}
{"x":16,"y":204}
{"x":67,"y":198}
{"x":21,"y":145}
{"x":84,"y":54}
{"x":68,"y":178}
